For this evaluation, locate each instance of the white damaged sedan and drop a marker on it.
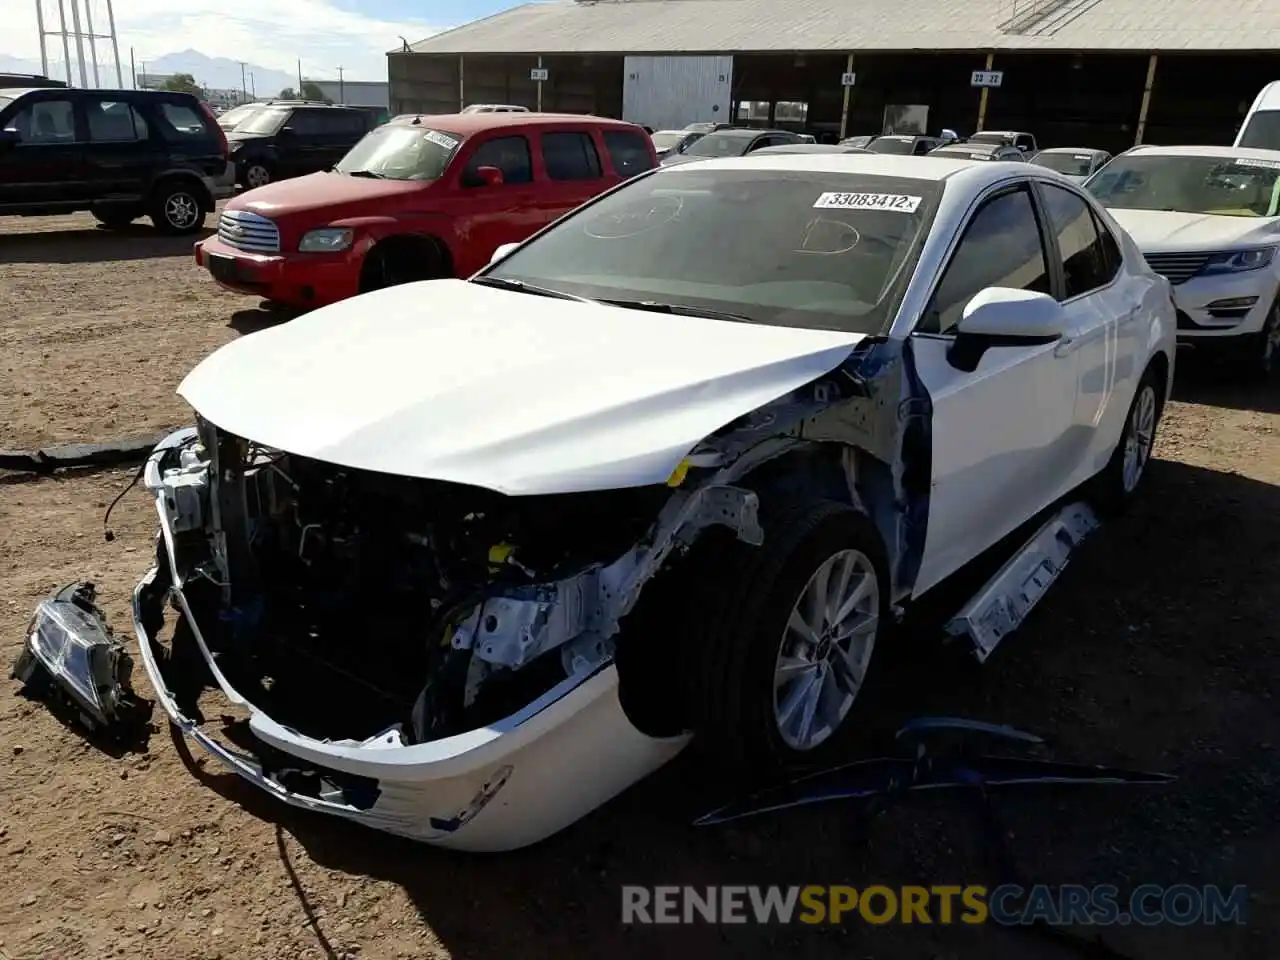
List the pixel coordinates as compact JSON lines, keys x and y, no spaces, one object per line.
{"x":461,"y":560}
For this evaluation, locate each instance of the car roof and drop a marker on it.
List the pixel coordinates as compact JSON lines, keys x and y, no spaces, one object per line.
{"x":809,"y":148}
{"x":1092,"y":151}
{"x":1226,"y":153}
{"x":966,"y":172}
{"x":972,"y":146}
{"x":465,"y":124}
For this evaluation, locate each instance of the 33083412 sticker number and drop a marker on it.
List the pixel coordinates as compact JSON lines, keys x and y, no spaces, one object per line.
{"x":895,"y":202}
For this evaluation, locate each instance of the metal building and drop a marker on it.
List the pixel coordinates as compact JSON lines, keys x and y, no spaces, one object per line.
{"x":1106,"y":73}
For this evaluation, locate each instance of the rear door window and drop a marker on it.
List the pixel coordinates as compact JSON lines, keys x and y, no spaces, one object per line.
{"x":1086,"y":265}
{"x":182,"y":119}
{"x":114,"y":121}
{"x":570,"y":156}
{"x":508,"y":154}
{"x":629,"y":152}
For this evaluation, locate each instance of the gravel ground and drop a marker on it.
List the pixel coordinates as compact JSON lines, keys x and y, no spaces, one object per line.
{"x":1158,"y":649}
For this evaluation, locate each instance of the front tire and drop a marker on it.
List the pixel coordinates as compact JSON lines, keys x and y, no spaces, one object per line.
{"x":791,"y":641}
{"x":1118,"y":484}
{"x":256,"y":174}
{"x":176,"y":209}
{"x":1262,"y":355}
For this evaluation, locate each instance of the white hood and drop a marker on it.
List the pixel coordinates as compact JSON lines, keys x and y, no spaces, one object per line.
{"x":1161,"y":231}
{"x":521,"y":394}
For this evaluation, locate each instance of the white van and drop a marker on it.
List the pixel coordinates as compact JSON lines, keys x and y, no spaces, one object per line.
{"x":1261,"y":127}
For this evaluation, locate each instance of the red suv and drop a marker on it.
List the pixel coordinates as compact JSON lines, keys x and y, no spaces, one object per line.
{"x":419,"y":198}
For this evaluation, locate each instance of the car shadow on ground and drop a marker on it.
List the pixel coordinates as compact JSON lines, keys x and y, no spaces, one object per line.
{"x":265,"y":314}
{"x":1216,"y":383}
{"x":1156,"y":650}
{"x":138,"y":241}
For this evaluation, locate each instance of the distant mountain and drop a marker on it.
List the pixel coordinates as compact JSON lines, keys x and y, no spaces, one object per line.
{"x":217,"y":73}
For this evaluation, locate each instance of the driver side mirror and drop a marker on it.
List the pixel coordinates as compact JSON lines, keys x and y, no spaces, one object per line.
{"x":10,"y":138}
{"x":1004,"y":317}
{"x":287,"y":131}
{"x":489,"y":176}
{"x":502,"y":252}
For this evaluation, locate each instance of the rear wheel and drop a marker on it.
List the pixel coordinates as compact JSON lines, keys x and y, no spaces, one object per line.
{"x":176,"y":208}
{"x":1117,"y":485}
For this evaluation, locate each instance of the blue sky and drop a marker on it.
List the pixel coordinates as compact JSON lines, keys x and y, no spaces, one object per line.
{"x":268,"y":33}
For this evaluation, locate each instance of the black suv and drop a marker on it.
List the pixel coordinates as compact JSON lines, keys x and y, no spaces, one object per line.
{"x":288,"y":140}
{"x":119,"y":154}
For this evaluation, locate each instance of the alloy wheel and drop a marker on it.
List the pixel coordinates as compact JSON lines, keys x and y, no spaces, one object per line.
{"x":826,"y":649}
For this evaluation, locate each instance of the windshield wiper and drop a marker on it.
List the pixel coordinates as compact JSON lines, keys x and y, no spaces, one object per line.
{"x":362,"y":173}
{"x":677,"y":310}
{"x":519,"y":286}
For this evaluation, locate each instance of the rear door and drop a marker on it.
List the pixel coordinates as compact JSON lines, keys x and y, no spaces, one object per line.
{"x":573,"y":168}
{"x":120,"y":152}
{"x":46,"y":166}
{"x":630,"y":152}
{"x":1105,"y":324}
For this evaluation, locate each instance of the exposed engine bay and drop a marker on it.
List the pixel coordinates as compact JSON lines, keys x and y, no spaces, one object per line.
{"x":346,"y":604}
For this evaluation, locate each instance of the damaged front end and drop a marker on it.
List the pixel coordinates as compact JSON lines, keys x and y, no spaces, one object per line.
{"x":432,"y":659}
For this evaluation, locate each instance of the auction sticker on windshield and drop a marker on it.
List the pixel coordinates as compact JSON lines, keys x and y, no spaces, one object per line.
{"x":439,"y":139}
{"x":1266,"y":164}
{"x":897,"y":202}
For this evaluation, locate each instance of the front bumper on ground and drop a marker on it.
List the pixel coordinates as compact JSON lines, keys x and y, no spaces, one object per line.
{"x":498,"y":788}
{"x":1218,"y":310}
{"x":301,"y":280}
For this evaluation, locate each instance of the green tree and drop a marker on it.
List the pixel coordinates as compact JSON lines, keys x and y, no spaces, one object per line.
{"x":182,"y":83}
{"x":288,"y":93}
{"x":311,"y":91}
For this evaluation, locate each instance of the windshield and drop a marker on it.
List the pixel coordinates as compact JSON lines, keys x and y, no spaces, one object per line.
{"x":820,"y":250}
{"x":238,"y":115}
{"x":667,"y":139}
{"x":998,"y":138}
{"x":1227,"y":186}
{"x":265,"y":121}
{"x":401,"y":153}
{"x":1262,"y":130}
{"x":891,"y":145}
{"x":856,"y":141}
{"x":719,"y":145}
{"x":1072,"y":164}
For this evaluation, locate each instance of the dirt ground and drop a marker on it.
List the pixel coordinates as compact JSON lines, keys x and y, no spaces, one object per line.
{"x":1158,"y":649}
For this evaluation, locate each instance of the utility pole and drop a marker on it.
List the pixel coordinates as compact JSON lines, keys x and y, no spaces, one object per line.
{"x":244,"y":90}
{"x":93,"y":49}
{"x":66,"y":48}
{"x":115,"y":43}
{"x":342,"y":95}
{"x":133,"y":71}
{"x":253,"y":90}
{"x":300,"y":96}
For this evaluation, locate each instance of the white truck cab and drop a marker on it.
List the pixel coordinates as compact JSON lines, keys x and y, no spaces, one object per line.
{"x":1261,"y":127}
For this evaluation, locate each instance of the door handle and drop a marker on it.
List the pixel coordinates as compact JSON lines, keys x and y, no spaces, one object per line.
{"x":1064,"y":347}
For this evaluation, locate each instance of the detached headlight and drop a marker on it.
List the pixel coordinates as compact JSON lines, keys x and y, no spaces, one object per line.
{"x":326,"y":240}
{"x":1240,"y":261}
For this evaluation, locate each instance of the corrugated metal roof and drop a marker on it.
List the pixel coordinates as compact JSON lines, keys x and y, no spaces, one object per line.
{"x":705,"y":26}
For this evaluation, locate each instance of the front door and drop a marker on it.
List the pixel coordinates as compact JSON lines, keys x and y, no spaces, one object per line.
{"x":1002,"y":432}
{"x":45,"y":166}
{"x":487,"y":215}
